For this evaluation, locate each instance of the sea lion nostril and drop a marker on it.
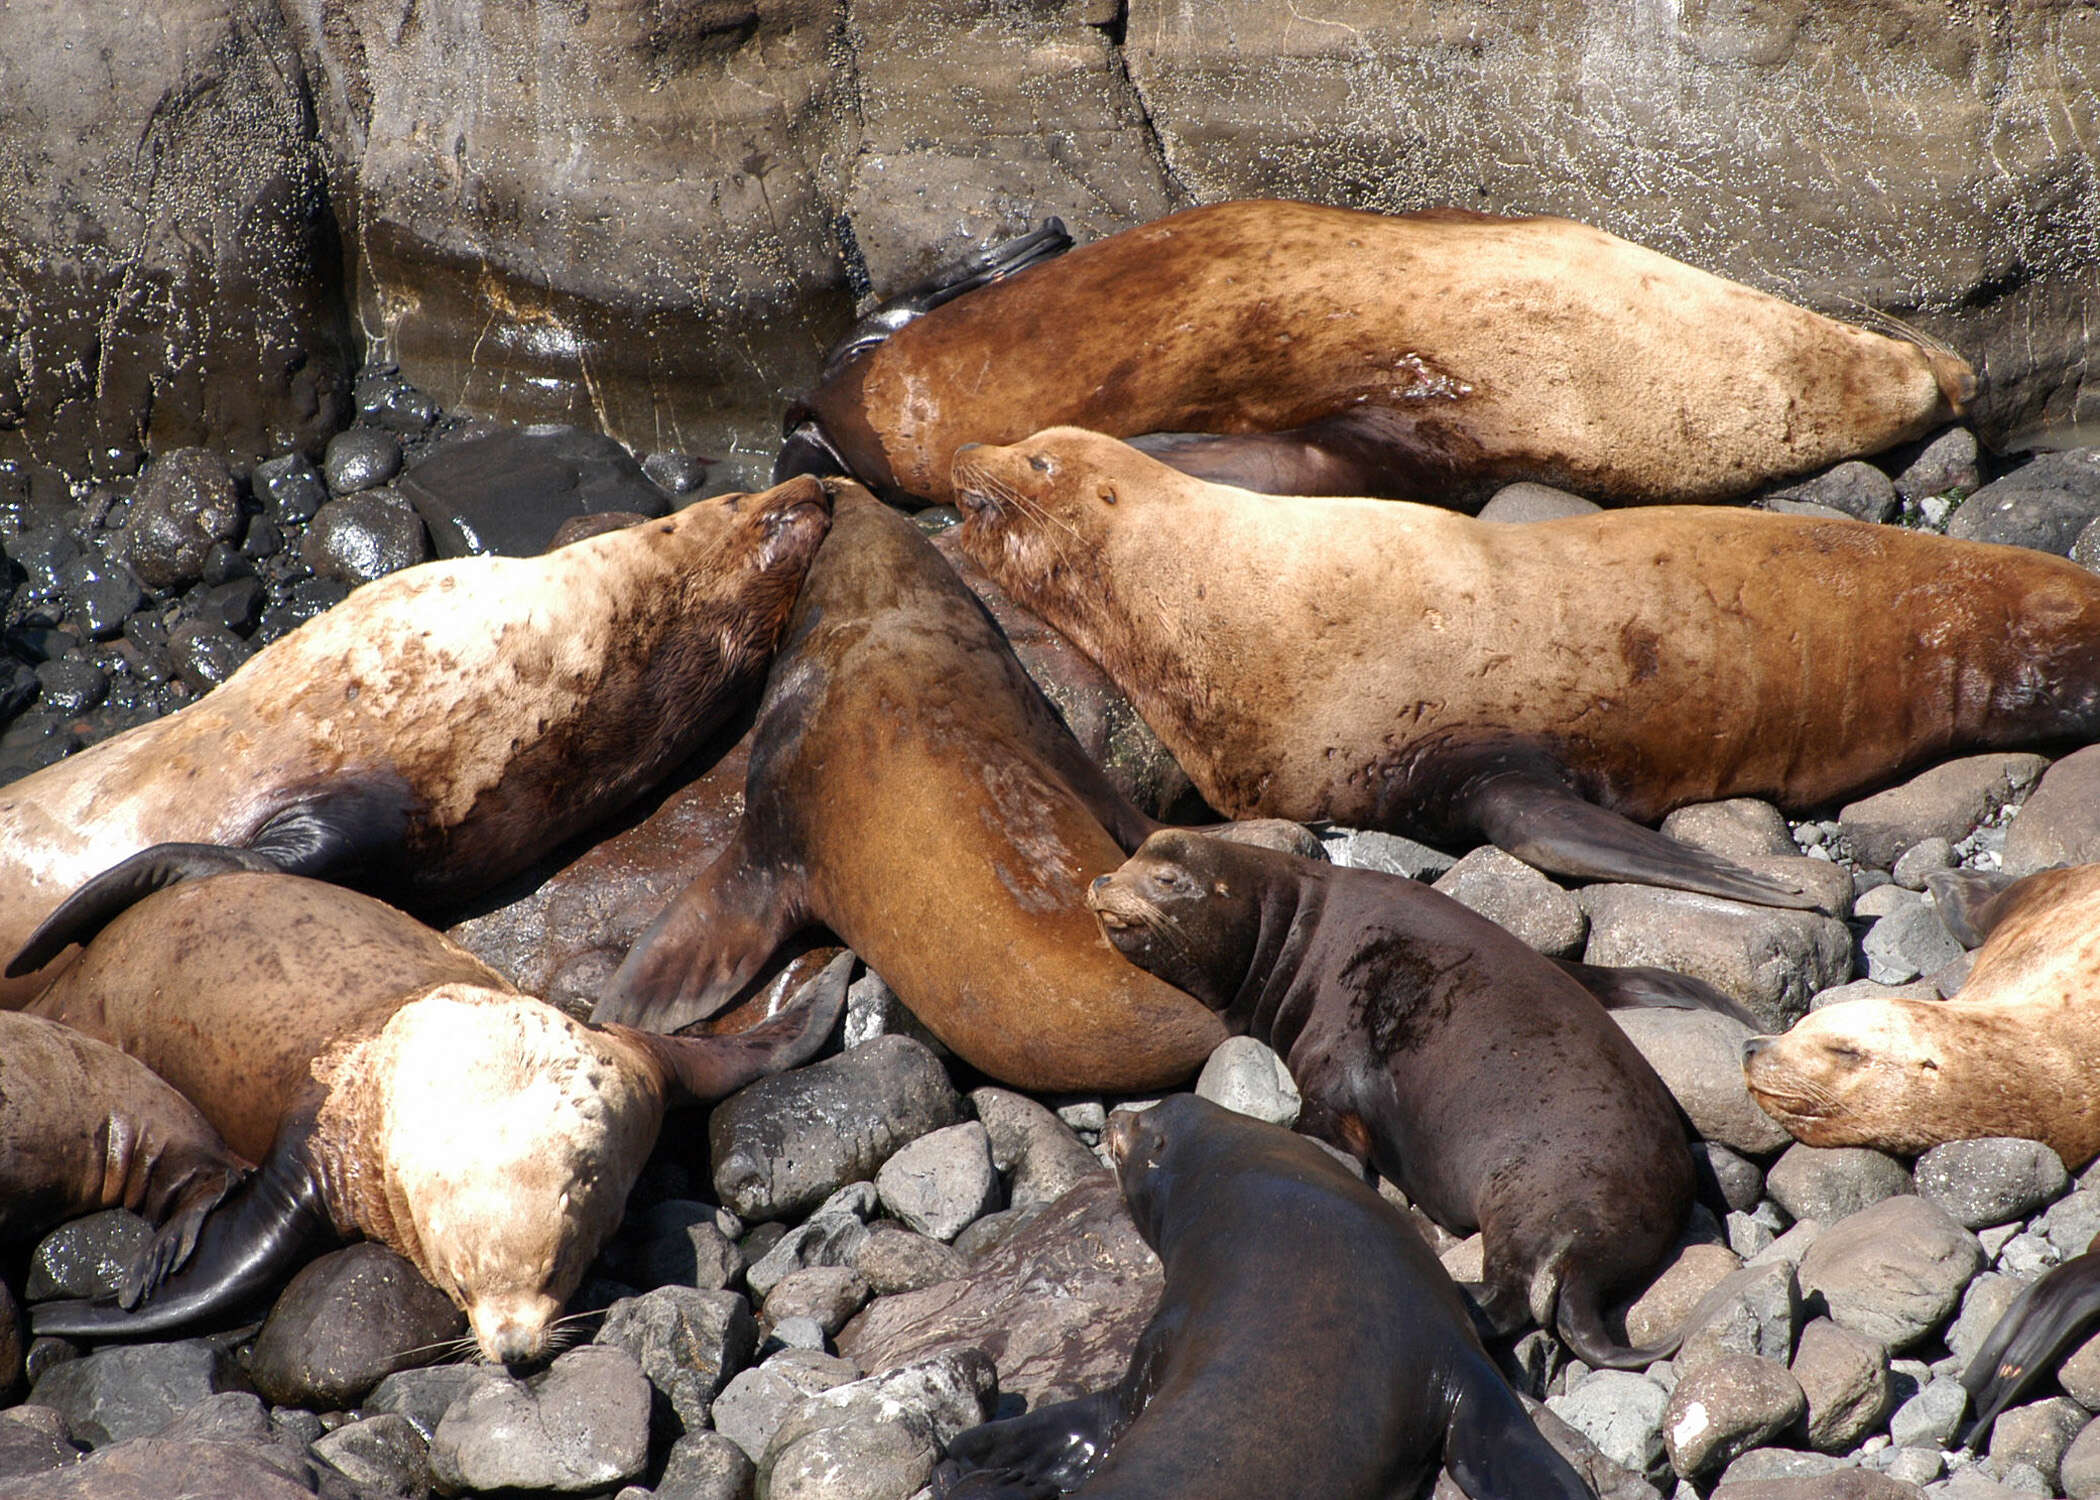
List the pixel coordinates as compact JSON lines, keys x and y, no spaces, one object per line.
{"x":1752,"y":1045}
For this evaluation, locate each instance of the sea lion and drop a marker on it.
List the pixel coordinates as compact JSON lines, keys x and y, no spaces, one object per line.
{"x":432,"y":733}
{"x":84,"y":1127}
{"x":392,"y":1086}
{"x":1306,"y":1343}
{"x":1435,"y":356}
{"x":2013,"y":1053}
{"x":911,"y":790}
{"x":1396,"y":666}
{"x":2055,"y":1312}
{"x":1474,"y":1074}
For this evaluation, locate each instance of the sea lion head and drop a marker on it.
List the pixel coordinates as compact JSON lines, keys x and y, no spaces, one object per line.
{"x":1861,"y":1072}
{"x":1039,"y":508}
{"x":1187,"y":908}
{"x":507,"y":1137}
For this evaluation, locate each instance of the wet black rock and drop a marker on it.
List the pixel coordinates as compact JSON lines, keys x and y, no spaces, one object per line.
{"x":361,"y":458}
{"x":365,"y":537}
{"x":301,"y":602}
{"x":234,"y":605}
{"x":292,"y":488}
{"x":43,"y":555}
{"x":2043,"y":505}
{"x":11,"y":1336}
{"x":347,"y":1322}
{"x":130,"y":1390}
{"x":676,"y":473}
{"x":87,"y":1256}
{"x":71,"y":685}
{"x":383,"y":397}
{"x":509,"y":491}
{"x":185,"y":502}
{"x":205,"y":654}
{"x":41,"y":643}
{"x":100,"y":592}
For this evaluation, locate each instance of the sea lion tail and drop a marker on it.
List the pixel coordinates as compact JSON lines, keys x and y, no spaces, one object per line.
{"x":116,"y":890}
{"x":1579,"y":1319}
{"x":2047,"y":1318}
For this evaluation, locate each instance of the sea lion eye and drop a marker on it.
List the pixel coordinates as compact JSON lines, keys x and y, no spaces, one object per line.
{"x":1039,"y":463}
{"x":1108,"y":495}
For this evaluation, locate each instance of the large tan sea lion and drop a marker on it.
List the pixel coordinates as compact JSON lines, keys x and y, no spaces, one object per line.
{"x":1547,"y":686}
{"x":432,"y":733}
{"x":1433,"y":356}
{"x":391,"y":1086}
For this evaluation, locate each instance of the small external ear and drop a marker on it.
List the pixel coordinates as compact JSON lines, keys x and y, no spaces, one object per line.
{"x":702,"y":1069}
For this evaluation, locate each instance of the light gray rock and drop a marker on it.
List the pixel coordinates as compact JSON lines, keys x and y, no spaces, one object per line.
{"x":1929,"y":1418}
{"x":1727,"y":1407}
{"x":1518,"y":899}
{"x":1699,"y":1057}
{"x":940,"y":1183}
{"x":798,"y":1331}
{"x":751,"y":1407}
{"x":1524,"y":502}
{"x":1926,"y":857}
{"x":878,"y":1438}
{"x":687,"y":1342}
{"x":706,"y":1466}
{"x":1845,"y":1379}
{"x":2079,"y":1473}
{"x":2056,"y":825}
{"x":1982,"y":1305}
{"x":1867,"y":989}
{"x":2072,"y":1222}
{"x":1368,"y":849}
{"x":1908,"y":942}
{"x":1621,"y":1413}
{"x":1756,"y":1310}
{"x":1246,"y":1076}
{"x":2038,"y":1433}
{"x":787,"y":1142}
{"x":1737,"y":828}
{"x":1887,"y":900}
{"x":1790,"y":1247}
{"x":826,"y":1295}
{"x":1767,"y":959}
{"x":2043,"y":504}
{"x":129,"y":1390}
{"x":1947,"y":802}
{"x":1670,"y":1298}
{"x":1830,"y":1183}
{"x":1894,"y":1272}
{"x":383,"y":1453}
{"x":580,"y":1426}
{"x":1039,"y":1155}
{"x":873,"y":1009}
{"x":828,"y":1239}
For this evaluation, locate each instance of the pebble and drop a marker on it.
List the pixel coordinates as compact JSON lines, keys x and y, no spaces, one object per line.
{"x":1247,"y":1076}
{"x":1991,"y":1181}
{"x":71,"y":685}
{"x":291,"y":488}
{"x":1727,"y":1407}
{"x":1766,"y":959}
{"x":422,"y":1397}
{"x":1894,"y":1271}
{"x":1921,"y":859}
{"x":1929,"y":1418}
{"x":2071,"y":1222}
{"x":2079,"y":1473}
{"x":676,"y":473}
{"x":360,"y":458}
{"x":706,"y":1466}
{"x":1755,"y":1311}
{"x":1734,"y":1179}
{"x":383,"y":1453}
{"x":942,"y":1182}
{"x":1671,"y":1296}
{"x":1735,"y":828}
{"x":1518,"y":899}
{"x":100,"y":593}
{"x":1908,"y":942}
{"x":345,"y":1323}
{"x":204,"y":655}
{"x":826,"y":1295}
{"x":894,"y":1259}
{"x":580,"y":1426}
{"x":1829,"y":1184}
{"x":688,"y":1344}
{"x":1527,"y":501}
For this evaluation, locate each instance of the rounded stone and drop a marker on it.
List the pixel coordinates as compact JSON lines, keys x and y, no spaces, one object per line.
{"x":1894,"y":1272}
{"x":1725,"y":1408}
{"x":1990,"y":1181}
{"x":942,"y":1182}
{"x":1832,"y":1183}
{"x":185,"y":502}
{"x":1246,"y":1076}
{"x":359,"y":459}
{"x":1518,"y":899}
{"x":364,"y":537}
{"x":1845,"y":1378}
{"x":345,"y":1323}
{"x":205,"y":653}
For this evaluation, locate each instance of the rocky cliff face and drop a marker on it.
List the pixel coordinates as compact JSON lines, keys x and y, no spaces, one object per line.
{"x":652,"y":215}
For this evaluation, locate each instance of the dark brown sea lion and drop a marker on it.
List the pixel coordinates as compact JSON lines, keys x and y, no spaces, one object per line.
{"x":1434,"y":356}
{"x":1474,"y":1074}
{"x":83,"y":1127}
{"x":435,"y":731}
{"x":1306,"y":1343}
{"x":911,"y":790}
{"x":394,"y":1087}
{"x":2054,"y":1313}
{"x":2013,"y":1054}
{"x":1397,"y":666}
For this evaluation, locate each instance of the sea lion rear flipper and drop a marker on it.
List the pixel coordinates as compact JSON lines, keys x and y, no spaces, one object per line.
{"x":116,"y":890}
{"x":1967,"y":902}
{"x":1546,"y":824}
{"x":707,"y":944}
{"x":1644,"y":987}
{"x":707,"y":1068}
{"x":2048,"y":1317}
{"x":1495,"y":1452}
{"x":250,"y":1244}
{"x":177,"y":1236}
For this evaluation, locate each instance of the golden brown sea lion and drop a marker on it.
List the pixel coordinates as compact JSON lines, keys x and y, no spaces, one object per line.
{"x":1433,"y":356}
{"x":432,"y":733}
{"x":1398,"y":666}
{"x":393,"y":1087}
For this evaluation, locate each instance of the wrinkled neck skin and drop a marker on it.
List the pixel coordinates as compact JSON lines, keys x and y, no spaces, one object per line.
{"x":1271,"y":1005}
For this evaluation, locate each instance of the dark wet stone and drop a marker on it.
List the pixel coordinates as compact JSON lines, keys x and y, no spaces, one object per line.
{"x":510,"y":491}
{"x":41,"y":643}
{"x":676,"y":473}
{"x":382,"y":396}
{"x":43,"y":555}
{"x":18,"y":686}
{"x":86,"y":1257}
{"x":292,"y":487}
{"x":235,"y":605}
{"x":71,"y":685}
{"x":307,"y":598}
{"x":345,"y":1323}
{"x":129,"y":1390}
{"x":360,"y":459}
{"x":263,"y":540}
{"x":100,"y":593}
{"x":185,"y":502}
{"x":12,"y":1334}
{"x":581,"y":528}
{"x":365,"y":537}
{"x":47,"y":1353}
{"x":204,"y":654}
{"x":33,"y":1441}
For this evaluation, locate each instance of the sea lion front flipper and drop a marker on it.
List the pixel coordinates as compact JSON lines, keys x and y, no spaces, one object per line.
{"x":1645,"y":987}
{"x":2044,"y":1320}
{"x":1495,"y":1452}
{"x":249,"y":1245}
{"x":707,"y":1068}
{"x":1547,"y":825}
{"x":707,"y":944}
{"x":1049,"y":1451}
{"x":122,"y":886}
{"x":172,"y":1243}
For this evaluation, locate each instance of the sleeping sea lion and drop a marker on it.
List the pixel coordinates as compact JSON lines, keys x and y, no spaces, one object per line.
{"x":1474,"y":1074}
{"x":1306,"y":1343}
{"x":392,"y":1086}
{"x":1547,"y":686}
{"x":432,"y":733}
{"x":1435,"y":356}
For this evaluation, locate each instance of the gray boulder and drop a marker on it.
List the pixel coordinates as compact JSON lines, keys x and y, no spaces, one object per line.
{"x":1727,"y":1407}
{"x":1845,"y":1378}
{"x":1769,"y":960}
{"x":2058,"y":824}
{"x":688,"y":1344}
{"x":1246,"y":1076}
{"x":345,"y":1323}
{"x":580,"y":1426}
{"x":130,"y":1390}
{"x":1894,"y":1272}
{"x":1947,"y":802}
{"x":1991,"y":1181}
{"x":1831,"y":1183}
{"x":878,"y":1438}
{"x":753,"y":1405}
{"x":942,"y":1182}
{"x":1699,"y":1057}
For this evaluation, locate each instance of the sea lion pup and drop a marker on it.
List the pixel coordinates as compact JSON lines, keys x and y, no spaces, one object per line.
{"x":84,"y":1127}
{"x":432,"y":733}
{"x":2014,"y":1053}
{"x":911,"y":790}
{"x":1433,"y":356}
{"x":1306,"y":1343}
{"x":1482,"y":1080}
{"x":1549,"y":687}
{"x":391,"y":1086}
